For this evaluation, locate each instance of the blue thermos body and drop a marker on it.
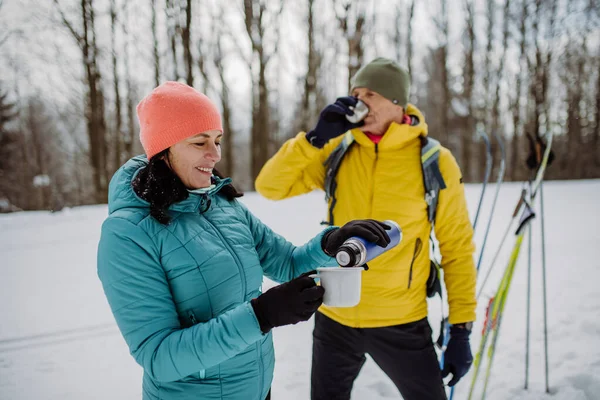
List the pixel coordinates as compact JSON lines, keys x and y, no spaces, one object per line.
{"x":356,"y":251}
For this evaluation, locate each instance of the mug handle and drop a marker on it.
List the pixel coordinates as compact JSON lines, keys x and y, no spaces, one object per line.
{"x":315,"y":277}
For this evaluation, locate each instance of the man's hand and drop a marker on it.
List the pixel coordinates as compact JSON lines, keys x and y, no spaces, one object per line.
{"x":332,"y":121}
{"x":458,"y":357}
{"x":369,"y":229}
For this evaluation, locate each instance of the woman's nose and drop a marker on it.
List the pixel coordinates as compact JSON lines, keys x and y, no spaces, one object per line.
{"x":214,"y":152}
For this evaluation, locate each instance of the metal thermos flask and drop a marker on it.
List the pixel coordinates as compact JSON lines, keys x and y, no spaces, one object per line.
{"x":356,"y":251}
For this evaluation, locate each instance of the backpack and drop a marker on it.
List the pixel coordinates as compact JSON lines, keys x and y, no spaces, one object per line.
{"x":432,"y":180}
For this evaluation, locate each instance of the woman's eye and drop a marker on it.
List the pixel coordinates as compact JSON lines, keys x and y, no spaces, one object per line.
{"x":199,"y":144}
{"x":218,"y":144}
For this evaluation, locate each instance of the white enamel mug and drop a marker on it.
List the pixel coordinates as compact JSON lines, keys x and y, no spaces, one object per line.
{"x":342,"y":285}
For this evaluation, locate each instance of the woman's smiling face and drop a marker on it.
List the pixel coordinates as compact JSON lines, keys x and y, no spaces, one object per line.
{"x":194,"y":158}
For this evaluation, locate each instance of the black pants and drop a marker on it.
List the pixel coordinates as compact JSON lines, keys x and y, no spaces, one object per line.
{"x":404,"y":352}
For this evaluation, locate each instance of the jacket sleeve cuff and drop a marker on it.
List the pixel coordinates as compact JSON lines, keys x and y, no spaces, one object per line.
{"x":457,"y":317}
{"x":307,"y":148}
{"x":315,"y":250}
{"x":247,"y":323}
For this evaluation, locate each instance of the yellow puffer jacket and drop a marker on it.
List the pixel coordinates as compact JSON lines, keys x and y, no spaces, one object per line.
{"x":385,"y":181}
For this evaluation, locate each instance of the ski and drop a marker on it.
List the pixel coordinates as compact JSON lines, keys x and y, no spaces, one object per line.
{"x":489,"y":162}
{"x":514,"y":216}
{"x":492,"y":328}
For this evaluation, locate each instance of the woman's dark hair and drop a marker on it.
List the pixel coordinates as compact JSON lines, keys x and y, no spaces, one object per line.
{"x":161,"y":187}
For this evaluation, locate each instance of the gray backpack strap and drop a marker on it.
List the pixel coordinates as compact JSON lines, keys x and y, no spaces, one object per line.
{"x":432,"y":176}
{"x":332,"y":165}
{"x":433,"y":182}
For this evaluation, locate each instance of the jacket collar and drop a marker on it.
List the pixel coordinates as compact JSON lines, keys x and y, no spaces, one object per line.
{"x":398,"y":135}
{"x":121,"y":193}
{"x":199,"y":200}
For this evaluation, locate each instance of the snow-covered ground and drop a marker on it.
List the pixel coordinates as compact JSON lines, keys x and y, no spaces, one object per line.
{"x":58,"y":339}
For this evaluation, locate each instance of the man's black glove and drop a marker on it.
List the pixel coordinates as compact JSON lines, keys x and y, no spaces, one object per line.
{"x":332,"y":121}
{"x":458,"y":357}
{"x":288,"y":303}
{"x":369,"y":229}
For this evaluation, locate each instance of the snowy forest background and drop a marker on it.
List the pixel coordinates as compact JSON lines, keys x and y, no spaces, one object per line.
{"x":74,"y":70}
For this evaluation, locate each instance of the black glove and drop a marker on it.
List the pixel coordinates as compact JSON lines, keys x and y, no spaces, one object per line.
{"x":332,"y":121}
{"x":288,"y":303}
{"x":369,"y":229}
{"x":458,"y":357}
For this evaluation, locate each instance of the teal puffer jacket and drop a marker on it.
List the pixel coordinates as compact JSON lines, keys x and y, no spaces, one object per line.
{"x":180,"y":293}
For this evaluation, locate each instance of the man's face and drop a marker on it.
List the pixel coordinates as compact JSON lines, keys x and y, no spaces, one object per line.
{"x":382,"y":112}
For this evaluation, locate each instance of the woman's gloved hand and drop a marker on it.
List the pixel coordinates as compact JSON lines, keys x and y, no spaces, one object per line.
{"x":288,"y":303}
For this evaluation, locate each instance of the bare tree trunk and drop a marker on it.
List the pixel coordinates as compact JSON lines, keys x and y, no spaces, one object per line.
{"x":537,"y":86}
{"x":540,"y":73}
{"x":155,"y":53}
{"x":37,"y":149}
{"x":409,"y":44}
{"x":353,"y":31}
{"x":98,"y":111}
{"x":574,"y":98}
{"x":227,"y":117}
{"x":261,"y":132}
{"x":118,"y":118}
{"x":27,"y":176}
{"x":516,"y":107}
{"x":254,"y":11}
{"x":203,"y":55}
{"x":173,"y":11}
{"x":596,"y":138}
{"x":185,"y":39}
{"x":397,"y":37}
{"x":308,"y":111}
{"x":580,"y":154}
{"x":227,"y":165}
{"x":96,"y":126}
{"x":548,"y":64}
{"x":501,"y":75}
{"x":487,"y":79}
{"x":545,"y":70}
{"x":254,"y":15}
{"x":130,"y":93}
{"x":445,"y":83}
{"x":469,"y":83}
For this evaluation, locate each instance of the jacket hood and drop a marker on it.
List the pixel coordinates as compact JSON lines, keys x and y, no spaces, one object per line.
{"x":121,"y":193}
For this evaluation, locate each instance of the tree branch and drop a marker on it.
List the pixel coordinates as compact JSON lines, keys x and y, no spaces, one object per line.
{"x":69,"y":26}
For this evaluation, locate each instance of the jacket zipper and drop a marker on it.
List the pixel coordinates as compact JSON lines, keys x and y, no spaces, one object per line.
{"x":261,"y":367}
{"x":236,"y":258}
{"x":373,"y":175}
{"x":418,"y":246}
{"x":192,"y":317}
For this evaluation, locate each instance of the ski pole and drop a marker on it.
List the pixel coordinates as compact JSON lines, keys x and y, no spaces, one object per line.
{"x":506,"y":232}
{"x":544,"y":287}
{"x":498,"y":183}
{"x":488,"y":170}
{"x":528,"y":318}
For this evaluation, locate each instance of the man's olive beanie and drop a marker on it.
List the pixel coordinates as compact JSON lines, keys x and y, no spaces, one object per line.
{"x":385,"y":77}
